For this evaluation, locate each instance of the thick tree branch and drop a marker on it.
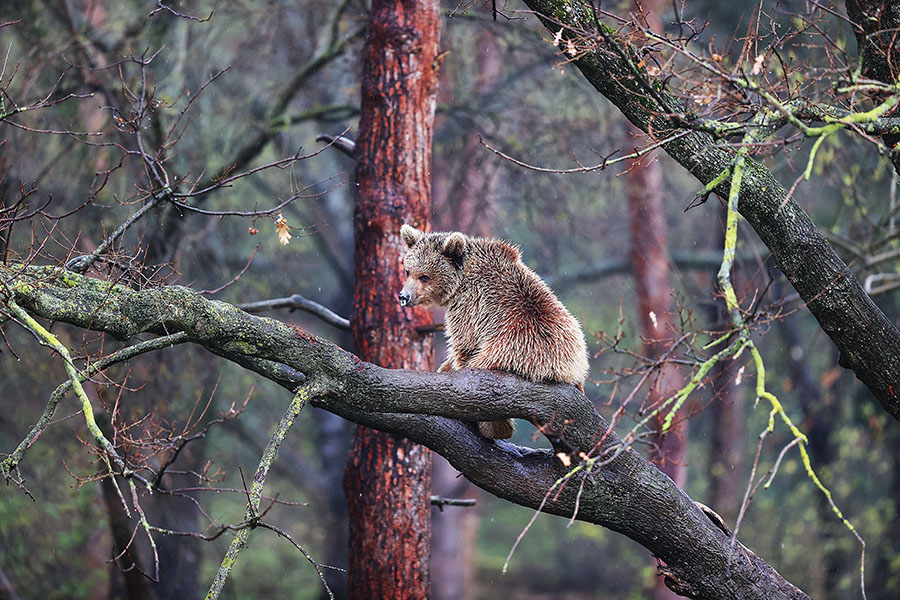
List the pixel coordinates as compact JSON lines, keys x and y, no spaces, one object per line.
{"x":627,"y":495}
{"x":878,"y":48}
{"x":868,"y":341}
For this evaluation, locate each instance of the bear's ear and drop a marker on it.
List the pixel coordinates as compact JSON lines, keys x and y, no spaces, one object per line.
{"x":510,"y":251}
{"x":454,"y":246}
{"x":410,"y":235}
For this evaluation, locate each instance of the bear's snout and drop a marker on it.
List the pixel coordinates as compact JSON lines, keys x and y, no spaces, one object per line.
{"x":404,"y":298}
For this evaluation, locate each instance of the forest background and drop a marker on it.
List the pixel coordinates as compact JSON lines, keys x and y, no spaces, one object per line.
{"x":293,"y":73}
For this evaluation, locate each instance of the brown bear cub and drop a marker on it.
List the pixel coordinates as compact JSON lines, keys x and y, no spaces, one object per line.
{"x":500,"y":314}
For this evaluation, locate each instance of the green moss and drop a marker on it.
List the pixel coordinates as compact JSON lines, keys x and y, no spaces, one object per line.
{"x":243,"y":347}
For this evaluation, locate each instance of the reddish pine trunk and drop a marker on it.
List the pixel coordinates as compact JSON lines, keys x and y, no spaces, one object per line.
{"x":388,"y":479}
{"x":650,"y":263}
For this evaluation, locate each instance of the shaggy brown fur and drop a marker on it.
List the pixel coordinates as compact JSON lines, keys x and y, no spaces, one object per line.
{"x":500,"y":314}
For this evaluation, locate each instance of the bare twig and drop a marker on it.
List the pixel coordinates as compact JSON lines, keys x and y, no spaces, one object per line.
{"x":298,"y":302}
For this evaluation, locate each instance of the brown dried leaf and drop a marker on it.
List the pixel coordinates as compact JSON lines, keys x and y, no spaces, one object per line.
{"x":283,"y":230}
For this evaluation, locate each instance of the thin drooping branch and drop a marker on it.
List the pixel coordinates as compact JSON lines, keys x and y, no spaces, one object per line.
{"x":627,"y":495}
{"x":868,"y":341}
{"x":254,"y":494}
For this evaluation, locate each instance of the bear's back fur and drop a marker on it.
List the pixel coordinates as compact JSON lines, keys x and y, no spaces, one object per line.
{"x":503,"y":316}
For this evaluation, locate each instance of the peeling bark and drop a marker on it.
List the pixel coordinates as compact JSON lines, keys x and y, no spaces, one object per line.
{"x":387,"y":480}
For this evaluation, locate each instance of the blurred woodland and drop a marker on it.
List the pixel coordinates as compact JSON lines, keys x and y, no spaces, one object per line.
{"x":146,"y":145}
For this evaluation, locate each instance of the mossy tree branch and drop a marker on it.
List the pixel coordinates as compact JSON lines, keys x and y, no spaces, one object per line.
{"x":254,"y":494}
{"x":878,"y":49}
{"x":868,"y":341}
{"x":627,"y":495}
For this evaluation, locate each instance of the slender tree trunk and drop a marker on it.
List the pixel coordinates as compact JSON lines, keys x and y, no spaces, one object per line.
{"x":885,"y":573}
{"x":126,"y":580}
{"x":726,"y":479}
{"x":464,"y":200}
{"x":455,"y":534}
{"x":653,"y":285}
{"x":650,"y":265}
{"x":388,"y":479}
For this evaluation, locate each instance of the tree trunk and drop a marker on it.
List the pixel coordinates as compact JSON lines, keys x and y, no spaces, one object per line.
{"x":464,"y":200}
{"x":878,"y":47}
{"x":388,"y":479}
{"x":653,"y":285}
{"x":726,"y":479}
{"x":455,"y":532}
{"x":650,"y":266}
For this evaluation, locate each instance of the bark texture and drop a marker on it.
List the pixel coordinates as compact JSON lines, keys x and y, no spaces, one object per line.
{"x":876,"y":41}
{"x":388,"y":478}
{"x":878,"y":46}
{"x":869,"y":342}
{"x":628,"y":495}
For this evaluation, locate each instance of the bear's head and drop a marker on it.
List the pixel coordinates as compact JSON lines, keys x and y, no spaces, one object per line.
{"x":433,"y":266}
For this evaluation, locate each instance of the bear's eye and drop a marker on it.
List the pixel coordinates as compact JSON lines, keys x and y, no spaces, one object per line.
{"x":424,"y":278}
{"x":407,"y":272}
